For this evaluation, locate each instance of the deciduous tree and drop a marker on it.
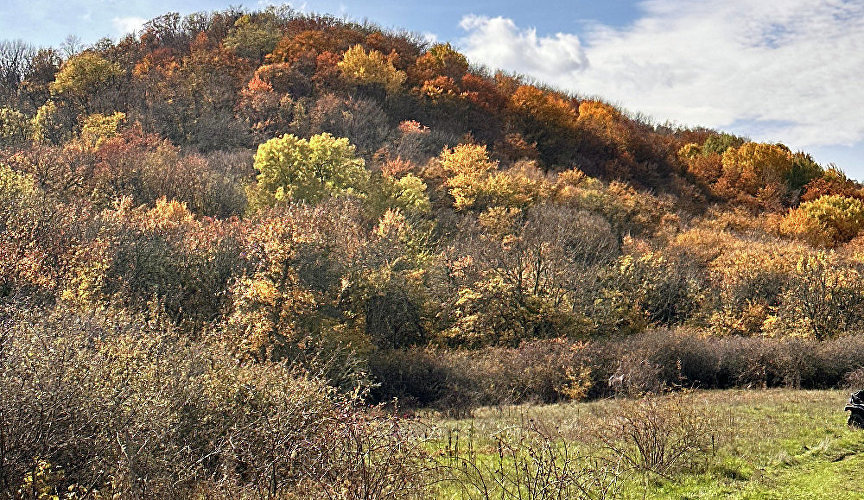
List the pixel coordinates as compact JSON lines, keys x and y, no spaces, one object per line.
{"x":83,"y":75}
{"x":371,"y":68}
{"x":296,"y":169}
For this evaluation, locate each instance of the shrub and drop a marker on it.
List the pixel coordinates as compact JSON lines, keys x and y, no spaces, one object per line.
{"x":658,"y":436}
{"x":105,"y":404}
{"x":160,"y":258}
{"x":653,"y":362}
{"x":830,"y":219}
{"x":530,"y":462}
{"x":440,"y":60}
{"x":15,"y":128}
{"x":539,"y":371}
{"x":823,"y":299}
{"x":361,"y":121}
{"x":296,"y":169}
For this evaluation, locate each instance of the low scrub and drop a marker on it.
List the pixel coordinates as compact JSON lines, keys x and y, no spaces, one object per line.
{"x":104,"y":405}
{"x":653,"y":362}
{"x":455,"y":381}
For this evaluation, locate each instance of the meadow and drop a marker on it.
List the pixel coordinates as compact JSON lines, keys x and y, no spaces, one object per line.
{"x":747,"y":444}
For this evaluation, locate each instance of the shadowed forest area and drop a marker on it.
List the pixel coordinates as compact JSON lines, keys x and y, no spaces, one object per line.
{"x":273,"y":255}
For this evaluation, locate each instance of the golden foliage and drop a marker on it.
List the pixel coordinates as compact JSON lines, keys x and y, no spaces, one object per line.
{"x":253,"y":37}
{"x":439,"y":87}
{"x":826,"y":221}
{"x":474,"y":182}
{"x":84,"y":74}
{"x":599,"y":115}
{"x":441,"y":60}
{"x":371,"y":68}
{"x":756,"y":173}
{"x":267,"y":305}
{"x":466,"y":167}
{"x":290,"y":168}
{"x":98,"y":128}
{"x":544,"y":106}
{"x":15,"y":128}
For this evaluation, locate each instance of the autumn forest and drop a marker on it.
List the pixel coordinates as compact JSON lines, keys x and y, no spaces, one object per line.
{"x":241,"y":251}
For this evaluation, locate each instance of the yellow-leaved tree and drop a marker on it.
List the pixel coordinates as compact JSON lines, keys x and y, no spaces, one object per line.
{"x":97,"y":128}
{"x":294,"y":169}
{"x":84,"y":74}
{"x":371,"y":68}
{"x":756,"y":164}
{"x":15,"y":128}
{"x":826,"y":221}
{"x":288,"y":304}
{"x":253,"y":36}
{"x":475,"y":182}
{"x":270,"y":303}
{"x":757,"y":172}
{"x":824,"y":298}
{"x":466,"y":167}
{"x":441,"y":60}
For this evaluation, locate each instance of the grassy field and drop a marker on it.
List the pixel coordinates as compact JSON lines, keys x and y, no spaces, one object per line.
{"x":764,"y":444}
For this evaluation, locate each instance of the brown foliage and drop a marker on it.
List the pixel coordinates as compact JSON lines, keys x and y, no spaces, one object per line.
{"x":107,"y":405}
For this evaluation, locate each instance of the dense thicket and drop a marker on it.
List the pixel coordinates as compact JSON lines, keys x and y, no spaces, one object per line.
{"x":291,"y":190}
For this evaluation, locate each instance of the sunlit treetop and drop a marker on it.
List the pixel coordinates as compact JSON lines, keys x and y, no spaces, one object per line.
{"x":83,"y":74}
{"x":371,"y":68}
{"x":294,"y":169}
{"x":440,"y":60}
{"x":253,"y":37}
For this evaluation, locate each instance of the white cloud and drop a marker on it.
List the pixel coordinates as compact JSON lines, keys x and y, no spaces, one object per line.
{"x":789,"y":70}
{"x":125,"y":25}
{"x":499,"y":43}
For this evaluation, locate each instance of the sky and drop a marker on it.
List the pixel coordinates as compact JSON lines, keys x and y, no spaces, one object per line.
{"x":786,"y":71}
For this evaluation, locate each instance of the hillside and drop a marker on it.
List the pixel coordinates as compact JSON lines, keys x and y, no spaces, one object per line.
{"x":233,"y":216}
{"x":449,"y":155}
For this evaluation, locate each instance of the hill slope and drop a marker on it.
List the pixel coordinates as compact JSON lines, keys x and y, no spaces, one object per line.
{"x":478,"y":209}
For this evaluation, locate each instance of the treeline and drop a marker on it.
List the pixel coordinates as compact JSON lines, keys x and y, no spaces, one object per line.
{"x":223,"y":80}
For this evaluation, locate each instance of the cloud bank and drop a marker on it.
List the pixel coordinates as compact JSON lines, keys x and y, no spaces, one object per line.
{"x":788,"y":70}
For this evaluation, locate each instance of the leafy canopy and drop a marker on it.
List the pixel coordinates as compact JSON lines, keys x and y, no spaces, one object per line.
{"x":97,"y":128}
{"x":842,"y":217}
{"x":371,"y":67}
{"x":14,"y":127}
{"x":290,"y":168}
{"x":83,"y":74}
{"x":253,"y":37}
{"x":754,"y":165}
{"x":441,"y":60}
{"x":466,"y":167}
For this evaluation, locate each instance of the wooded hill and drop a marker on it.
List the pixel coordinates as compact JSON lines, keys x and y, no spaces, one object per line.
{"x":295,"y":184}
{"x":226,"y":239}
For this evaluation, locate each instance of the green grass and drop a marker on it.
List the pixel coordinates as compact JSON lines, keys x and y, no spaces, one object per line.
{"x":772,"y":444}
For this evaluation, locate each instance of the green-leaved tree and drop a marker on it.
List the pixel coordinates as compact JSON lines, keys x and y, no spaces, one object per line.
{"x":294,"y":169}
